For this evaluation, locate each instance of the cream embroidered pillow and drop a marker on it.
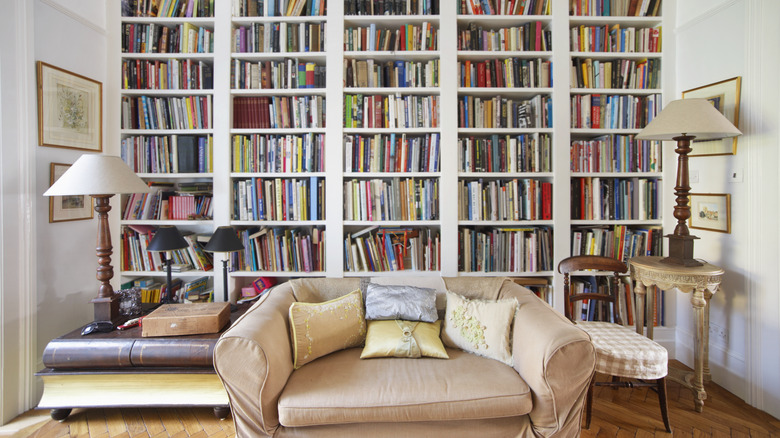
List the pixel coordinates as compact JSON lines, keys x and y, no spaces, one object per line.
{"x":322,"y":328}
{"x":398,"y":338}
{"x":479,"y":327}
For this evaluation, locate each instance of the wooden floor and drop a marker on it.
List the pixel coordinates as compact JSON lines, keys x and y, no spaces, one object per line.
{"x":616,"y":413}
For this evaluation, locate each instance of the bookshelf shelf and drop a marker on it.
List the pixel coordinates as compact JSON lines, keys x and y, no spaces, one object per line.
{"x":617,"y":55}
{"x":166,"y":56}
{"x":279,"y":92}
{"x":388,"y":20}
{"x":149,"y":132}
{"x":623,"y":21}
{"x":278,"y":19}
{"x":278,"y":131}
{"x":276,"y":174}
{"x":392,"y":174}
{"x":508,"y":92}
{"x":505,"y":224}
{"x":199,"y":21}
{"x":505,"y":175}
{"x":399,"y":273}
{"x":240,"y":223}
{"x":393,"y":90}
{"x":190,"y":273}
{"x":291,"y":274}
{"x":507,"y":274}
{"x":393,"y":223}
{"x":581,"y":222}
{"x":478,"y":131}
{"x":175,"y":223}
{"x":278,"y":56}
{"x":406,"y":55}
{"x":479,"y":55}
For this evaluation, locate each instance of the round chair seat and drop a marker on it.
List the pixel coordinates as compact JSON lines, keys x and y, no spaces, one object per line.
{"x":621,"y":351}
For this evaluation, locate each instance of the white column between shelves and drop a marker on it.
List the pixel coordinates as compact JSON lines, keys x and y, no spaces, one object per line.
{"x":222,"y":119}
{"x":334,"y":147}
{"x":448,"y":156}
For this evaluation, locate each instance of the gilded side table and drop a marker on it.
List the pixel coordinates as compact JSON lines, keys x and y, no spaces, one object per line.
{"x":701,"y":282}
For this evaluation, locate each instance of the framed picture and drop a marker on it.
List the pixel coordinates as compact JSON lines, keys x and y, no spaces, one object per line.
{"x":711,"y":211}
{"x":67,"y":208}
{"x":724,"y":96}
{"x":70,"y":110}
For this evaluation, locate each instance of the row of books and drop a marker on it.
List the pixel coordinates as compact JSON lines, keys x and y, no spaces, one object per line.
{"x":281,"y":249}
{"x":615,"y":8}
{"x":160,"y":38}
{"x":598,"y":310}
{"x":616,"y":73}
{"x":148,"y":112}
{"x":504,"y":7}
{"x":136,"y":257}
{"x":528,"y":36}
{"x":395,"y":199}
{"x":278,"y":112}
{"x":279,"y":153}
{"x":615,"y":153}
{"x":504,"y":200}
{"x":509,"y":72}
{"x":399,"y":73}
{"x":408,"y":37}
{"x":168,"y":153}
{"x":173,"y":74}
{"x":168,"y":8}
{"x":279,"y":199}
{"x":501,"y":112}
{"x":390,"y":111}
{"x":505,"y":249}
{"x":384,"y":249}
{"x":540,"y":286}
{"x":505,"y":153}
{"x":611,"y":38}
{"x":196,"y":290}
{"x":392,"y":153}
{"x":277,"y":8}
{"x":279,"y":37}
{"x":609,"y":111}
{"x":618,"y":242}
{"x":169,"y":201}
{"x":595,"y":198}
{"x":391,"y":7}
{"x":276,"y":75}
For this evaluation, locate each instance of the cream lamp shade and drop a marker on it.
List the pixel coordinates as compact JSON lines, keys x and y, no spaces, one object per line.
{"x":691,"y":117}
{"x":95,"y":174}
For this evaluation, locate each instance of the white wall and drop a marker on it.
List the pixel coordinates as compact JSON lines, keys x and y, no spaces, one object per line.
{"x":48,"y":270}
{"x":717,"y":40}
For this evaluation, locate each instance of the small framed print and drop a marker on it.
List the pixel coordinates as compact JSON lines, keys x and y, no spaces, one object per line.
{"x":67,"y":208}
{"x":724,"y":96}
{"x":70,"y":110}
{"x":711,"y":211}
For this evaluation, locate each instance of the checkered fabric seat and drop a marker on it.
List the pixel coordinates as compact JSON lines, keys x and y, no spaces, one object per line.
{"x":621,"y":351}
{"x":630,"y":358}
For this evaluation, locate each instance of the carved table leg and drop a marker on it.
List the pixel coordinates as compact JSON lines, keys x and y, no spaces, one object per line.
{"x":706,"y":340}
{"x":639,"y":306}
{"x":221,"y":412}
{"x":699,"y":306}
{"x":60,"y":414}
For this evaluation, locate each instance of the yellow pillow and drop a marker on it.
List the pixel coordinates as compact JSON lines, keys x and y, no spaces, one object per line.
{"x":399,"y":338}
{"x":322,"y":328}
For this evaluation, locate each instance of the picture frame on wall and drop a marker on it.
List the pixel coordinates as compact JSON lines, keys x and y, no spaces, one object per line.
{"x":70,"y":109}
{"x":724,"y":96}
{"x":67,"y":208}
{"x":710,"y":211}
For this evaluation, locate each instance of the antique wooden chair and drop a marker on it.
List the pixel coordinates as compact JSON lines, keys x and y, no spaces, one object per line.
{"x":630,"y":358}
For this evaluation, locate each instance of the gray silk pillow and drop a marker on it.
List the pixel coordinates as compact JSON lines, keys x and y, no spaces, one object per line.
{"x":408,"y":303}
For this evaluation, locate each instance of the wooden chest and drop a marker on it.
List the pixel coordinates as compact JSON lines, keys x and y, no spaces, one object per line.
{"x":186,"y":319}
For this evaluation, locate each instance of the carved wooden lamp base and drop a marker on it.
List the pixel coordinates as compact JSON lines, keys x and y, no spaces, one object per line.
{"x":681,"y":251}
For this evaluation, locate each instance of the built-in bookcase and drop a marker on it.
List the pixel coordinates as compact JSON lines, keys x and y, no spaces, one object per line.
{"x":166,"y":133}
{"x":472,"y":138}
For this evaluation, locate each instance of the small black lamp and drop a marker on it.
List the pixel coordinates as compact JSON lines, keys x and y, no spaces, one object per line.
{"x":224,"y":240}
{"x":167,"y":238}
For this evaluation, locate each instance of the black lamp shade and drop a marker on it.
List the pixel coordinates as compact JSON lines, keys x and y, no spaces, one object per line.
{"x":224,"y":240}
{"x":167,"y":238}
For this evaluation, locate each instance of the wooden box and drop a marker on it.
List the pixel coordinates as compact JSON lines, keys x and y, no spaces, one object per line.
{"x":186,"y":319}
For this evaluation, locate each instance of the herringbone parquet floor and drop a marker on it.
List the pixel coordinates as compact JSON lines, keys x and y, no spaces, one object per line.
{"x":616,"y":413}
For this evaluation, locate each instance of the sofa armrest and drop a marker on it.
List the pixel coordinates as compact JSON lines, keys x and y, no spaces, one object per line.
{"x":253,"y":358}
{"x":555,"y":358}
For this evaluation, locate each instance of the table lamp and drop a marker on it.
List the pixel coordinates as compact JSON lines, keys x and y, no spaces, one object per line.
{"x":100,"y":176}
{"x":224,"y":240}
{"x":682,"y":121}
{"x":167,"y":238}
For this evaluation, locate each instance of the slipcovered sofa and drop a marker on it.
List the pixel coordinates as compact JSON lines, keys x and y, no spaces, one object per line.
{"x":339,"y":395}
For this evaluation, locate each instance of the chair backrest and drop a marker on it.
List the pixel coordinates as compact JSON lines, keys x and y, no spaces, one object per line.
{"x":598,"y":263}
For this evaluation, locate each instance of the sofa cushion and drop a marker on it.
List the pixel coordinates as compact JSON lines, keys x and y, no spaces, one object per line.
{"x":322,"y":328}
{"x":479,"y":327}
{"x":405,"y":302}
{"x":340,"y":388}
{"x":403,"y":339}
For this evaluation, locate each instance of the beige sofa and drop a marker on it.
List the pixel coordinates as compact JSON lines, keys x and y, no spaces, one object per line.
{"x":340,"y":395}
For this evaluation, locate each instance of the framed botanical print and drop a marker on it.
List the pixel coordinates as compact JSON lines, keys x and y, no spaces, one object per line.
{"x":724,"y":96}
{"x":67,"y":208}
{"x":70,"y":109}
